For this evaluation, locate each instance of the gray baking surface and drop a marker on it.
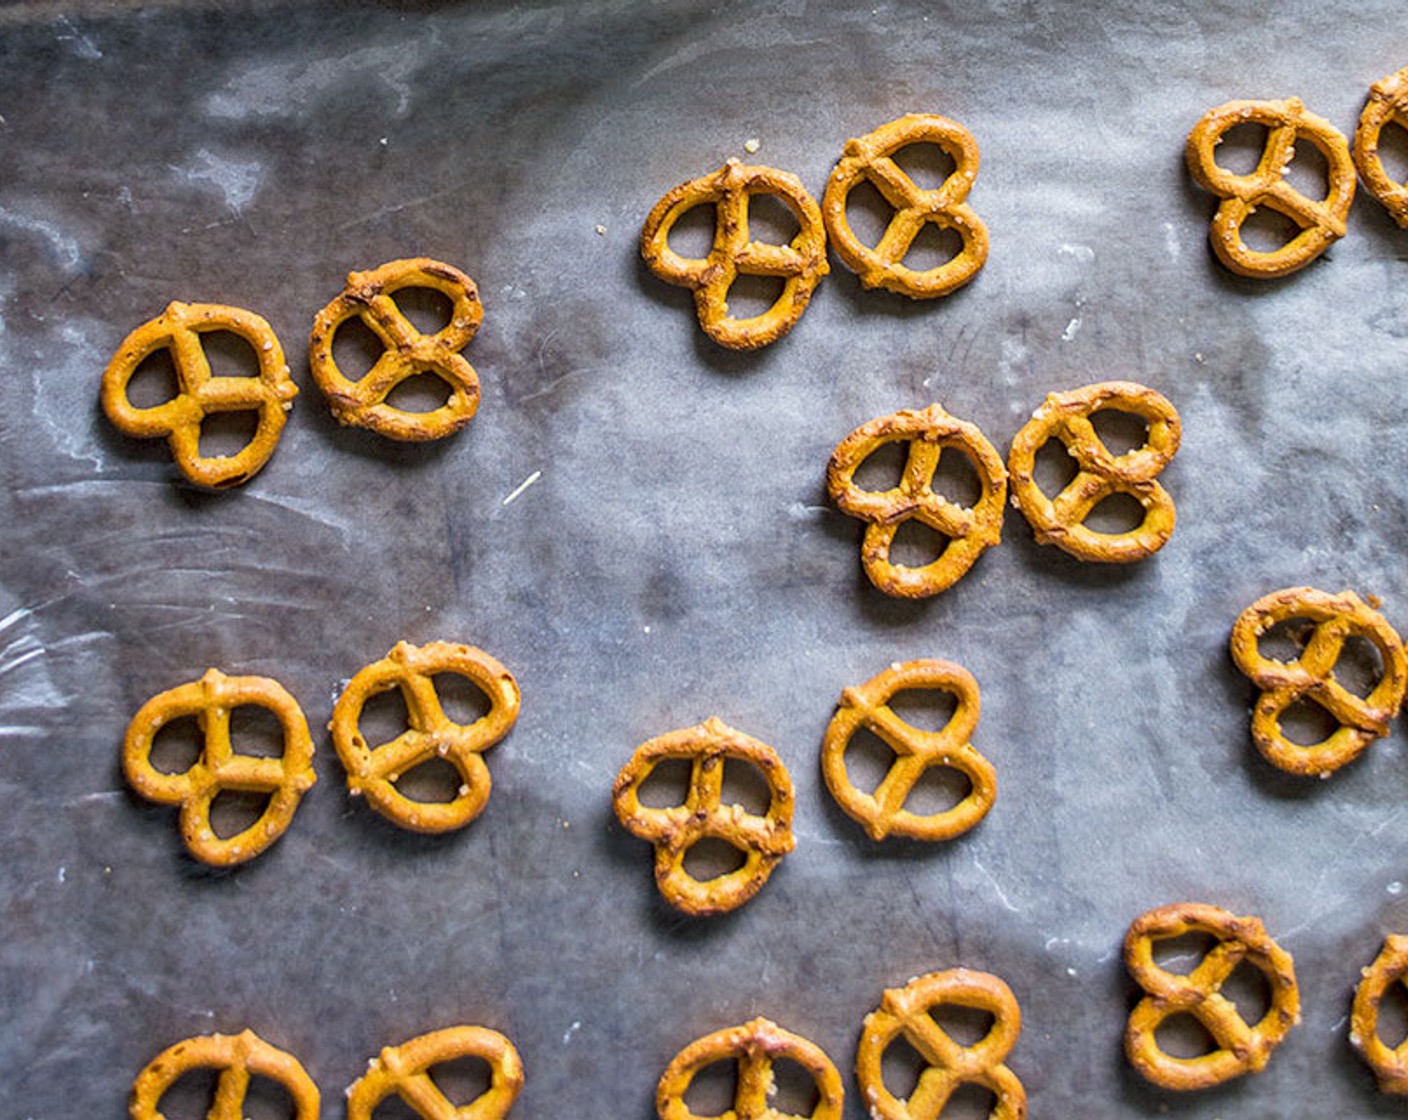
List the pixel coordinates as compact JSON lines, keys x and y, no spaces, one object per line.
{"x":676,"y":556}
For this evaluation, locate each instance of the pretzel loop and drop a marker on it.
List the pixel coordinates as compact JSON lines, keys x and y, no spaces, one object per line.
{"x":870,"y":159}
{"x":1242,"y":1047}
{"x":1387,"y":104}
{"x":237,"y":1057}
{"x":405,"y":1071}
{"x":1311,"y":676}
{"x":1390,"y":967}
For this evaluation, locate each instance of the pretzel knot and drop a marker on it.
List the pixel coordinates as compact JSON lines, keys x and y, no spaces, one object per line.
{"x":1387,"y":103}
{"x":374,"y":771}
{"x":870,"y":159}
{"x":219,"y":768}
{"x":762,"y":840}
{"x":199,"y":393}
{"x":1100,"y":474}
{"x":237,"y":1057}
{"x":916,"y":751}
{"x":908,"y":1012}
{"x":1240,"y":1047}
{"x":409,"y":353}
{"x":1390,"y":967}
{"x":1321,"y":222}
{"x":800,"y":264}
{"x":1334,"y":620}
{"x":970,"y":531}
{"x":756,"y":1046}
{"x":405,"y":1071}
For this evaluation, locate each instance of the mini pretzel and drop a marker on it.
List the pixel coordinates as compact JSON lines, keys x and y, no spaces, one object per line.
{"x":237,"y":1057}
{"x":200,"y":393}
{"x":800,"y":264}
{"x":1388,"y":103}
{"x":1390,"y":967}
{"x":970,"y":531}
{"x":368,"y":296}
{"x":756,"y":1046}
{"x":374,"y":771}
{"x":211,"y":700}
{"x":908,"y":1012}
{"x":883,"y":812}
{"x":763,"y":840}
{"x":1334,"y":619}
{"x":405,"y":1071}
{"x":870,"y":159}
{"x":1321,"y":222}
{"x":1241,"y":1047}
{"x":1061,"y":520}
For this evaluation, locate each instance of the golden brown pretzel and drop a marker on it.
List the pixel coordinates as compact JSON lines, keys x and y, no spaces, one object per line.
{"x":1390,"y":967}
{"x":1388,"y":103}
{"x":1334,"y":619}
{"x":1061,"y":520}
{"x":763,"y":840}
{"x":1321,"y":222}
{"x":869,"y":159}
{"x":916,"y":750}
{"x":368,"y":296}
{"x":211,"y":700}
{"x":405,"y":1071}
{"x":908,"y":1012}
{"x":201,"y":394}
{"x":237,"y":1057}
{"x":374,"y":770}
{"x":969,"y":531}
{"x":800,"y":264}
{"x":1241,"y":1047}
{"x":755,"y":1046}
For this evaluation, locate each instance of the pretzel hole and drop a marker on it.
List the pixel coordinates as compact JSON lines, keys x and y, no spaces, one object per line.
{"x":421,"y":392}
{"x":1121,"y":432}
{"x":226,"y":434}
{"x":177,"y":745}
{"x":770,"y":220}
{"x":667,"y":784}
{"x":883,"y":468}
{"x":939,"y":789}
{"x":900,"y":1068}
{"x":793,"y":1090}
{"x":933,"y":247}
{"x":1306,"y":724}
{"x":966,"y":1025}
{"x":928,"y":165}
{"x":1250,"y":991}
{"x":267,"y":1099}
{"x":957,"y":479}
{"x":463,"y":1080}
{"x":916,"y":545}
{"x":1360,"y":666}
{"x":1241,"y":148}
{"x":256,"y":731}
{"x":426,"y":309}
{"x":712,"y":858}
{"x":229,"y":354}
{"x":461,"y":699}
{"x":692,"y":236}
{"x":970,"y":1101}
{"x":1393,"y":150}
{"x":1182,"y":954}
{"x":745,"y":785}
{"x":1182,"y":1036}
{"x":750,"y":296}
{"x":712,"y":1091}
{"x":1309,"y":171}
{"x":394,"y":1107}
{"x":868,"y":759}
{"x":154,"y":381}
{"x":384,"y":717}
{"x":1266,"y":230}
{"x":235,"y":810}
{"x":1115,"y":514}
{"x":1393,"y":1016}
{"x":929,"y":709}
{"x":356,"y":348}
{"x":868,"y":213}
{"x":190,"y":1096}
{"x":1053,"y":467}
{"x":1285,"y":641}
{"x":432,"y":782}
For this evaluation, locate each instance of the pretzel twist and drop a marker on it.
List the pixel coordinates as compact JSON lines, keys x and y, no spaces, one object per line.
{"x":219,"y":768}
{"x":408,"y":353}
{"x":405,"y":1071}
{"x":800,"y":264}
{"x":870,"y":159}
{"x":1321,"y":222}
{"x":908,"y":1012}
{"x":970,"y":531}
{"x":1390,"y":967}
{"x":756,"y":1046}
{"x":237,"y":1057}
{"x":1311,"y":676}
{"x":1241,"y":1047}
{"x":762,"y":840}
{"x":1387,"y":103}
{"x":200,"y":393}
{"x":374,"y":771}
{"x":882,"y":813}
{"x":1061,"y":520}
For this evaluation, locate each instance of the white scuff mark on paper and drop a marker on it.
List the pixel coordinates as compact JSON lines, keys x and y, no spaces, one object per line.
{"x":1083,"y":253}
{"x":82,"y":45}
{"x":996,"y":886}
{"x":237,"y":180}
{"x":1394,"y":887}
{"x":800,"y":511}
{"x":1171,"y":243}
{"x":63,"y":873}
{"x":522,"y":486}
{"x":1071,"y":328}
{"x":290,"y":88}
{"x":61,"y":246}
{"x":570,"y":1031}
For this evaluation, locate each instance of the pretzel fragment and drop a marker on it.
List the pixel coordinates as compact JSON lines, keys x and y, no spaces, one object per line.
{"x":970,"y":531}
{"x":1390,"y":967}
{"x":870,"y":158}
{"x":756,"y":1046}
{"x":882,"y":813}
{"x":238,"y":1058}
{"x":1321,"y":222}
{"x":800,"y":264}
{"x":1333,"y":620}
{"x":1241,"y":1047}
{"x":405,"y":1071}
{"x":908,"y":1012}
{"x":408,"y":353}
{"x":1387,"y":104}
{"x":673,"y":831}
{"x":1060,"y":520}
{"x":200,"y":393}
{"x":219,"y":768}
{"x":373,"y":771}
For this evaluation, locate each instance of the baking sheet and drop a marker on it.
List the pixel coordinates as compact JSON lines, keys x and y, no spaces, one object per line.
{"x":675,"y":556}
